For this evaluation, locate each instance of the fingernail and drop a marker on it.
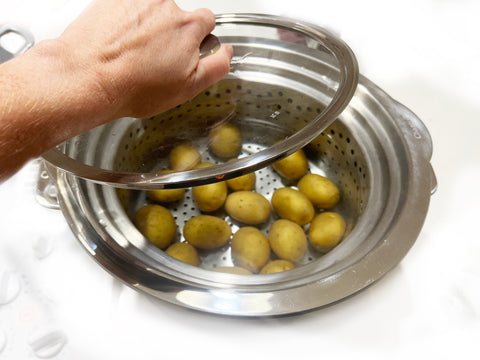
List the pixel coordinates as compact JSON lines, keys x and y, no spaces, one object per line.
{"x":229,"y":50}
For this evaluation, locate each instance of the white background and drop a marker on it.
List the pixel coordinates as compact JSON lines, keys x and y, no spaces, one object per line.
{"x":425,"y":54}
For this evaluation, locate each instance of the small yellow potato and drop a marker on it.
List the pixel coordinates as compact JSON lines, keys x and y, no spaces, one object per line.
{"x":165,"y":195}
{"x":287,"y":240}
{"x":326,"y":231}
{"x":157,"y":224}
{"x":321,"y":191}
{"x":250,"y":248}
{"x":225,"y":141}
{"x":203,"y":164}
{"x":184,"y":252}
{"x":293,"y":167}
{"x":210,"y":197}
{"x":124,"y":197}
{"x":291,"y":204}
{"x":248,"y":207}
{"x":184,"y":157}
{"x":207,"y":232}
{"x":233,"y":270}
{"x":243,"y":183}
{"x":276,"y":266}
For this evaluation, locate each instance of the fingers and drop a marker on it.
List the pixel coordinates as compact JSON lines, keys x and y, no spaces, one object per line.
{"x":213,"y":68}
{"x":207,"y":17}
{"x":202,"y":22}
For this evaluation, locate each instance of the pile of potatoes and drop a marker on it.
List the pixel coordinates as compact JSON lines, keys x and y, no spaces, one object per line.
{"x":301,"y":213}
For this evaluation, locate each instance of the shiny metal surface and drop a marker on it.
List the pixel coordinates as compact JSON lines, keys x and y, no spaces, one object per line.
{"x":269,"y":50}
{"x":379,"y":153}
{"x":209,"y":45}
{"x":27,"y":41}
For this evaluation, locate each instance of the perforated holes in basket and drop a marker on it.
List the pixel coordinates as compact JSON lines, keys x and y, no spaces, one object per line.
{"x":265,"y":114}
{"x":339,"y":156}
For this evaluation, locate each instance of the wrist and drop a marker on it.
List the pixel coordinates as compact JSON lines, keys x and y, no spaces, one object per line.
{"x":76,"y":83}
{"x":48,"y":96}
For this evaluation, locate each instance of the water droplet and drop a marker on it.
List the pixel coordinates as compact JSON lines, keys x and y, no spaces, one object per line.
{"x":51,"y":191}
{"x":44,"y":175}
{"x":42,"y":247}
{"x":47,"y":344}
{"x":9,"y":287}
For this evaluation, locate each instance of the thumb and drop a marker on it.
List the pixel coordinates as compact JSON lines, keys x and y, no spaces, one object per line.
{"x":213,"y":68}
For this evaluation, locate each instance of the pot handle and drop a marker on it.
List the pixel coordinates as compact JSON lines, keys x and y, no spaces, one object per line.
{"x":25,"y":35}
{"x":417,"y":133}
{"x":209,"y":45}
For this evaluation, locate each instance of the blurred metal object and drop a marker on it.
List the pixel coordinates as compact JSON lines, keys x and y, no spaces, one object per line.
{"x":26,"y":37}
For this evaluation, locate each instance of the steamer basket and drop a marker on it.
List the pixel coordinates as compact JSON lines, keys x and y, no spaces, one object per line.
{"x":288,"y":82}
{"x":377,"y":152}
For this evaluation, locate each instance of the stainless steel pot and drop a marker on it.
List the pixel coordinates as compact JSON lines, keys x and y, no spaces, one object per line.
{"x":377,"y":151}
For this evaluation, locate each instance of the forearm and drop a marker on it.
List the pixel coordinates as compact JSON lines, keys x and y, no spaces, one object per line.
{"x":44,"y":104}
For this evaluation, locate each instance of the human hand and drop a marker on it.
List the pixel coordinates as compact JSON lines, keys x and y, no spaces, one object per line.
{"x":119,"y":58}
{"x":144,"y":54}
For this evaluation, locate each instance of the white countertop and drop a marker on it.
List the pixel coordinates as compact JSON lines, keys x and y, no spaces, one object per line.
{"x":424,"y":53}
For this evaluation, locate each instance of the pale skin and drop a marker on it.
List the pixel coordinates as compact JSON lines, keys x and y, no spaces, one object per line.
{"x":118,"y":58}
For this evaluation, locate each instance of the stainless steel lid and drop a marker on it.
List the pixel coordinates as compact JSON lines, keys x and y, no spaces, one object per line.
{"x":277,"y":54}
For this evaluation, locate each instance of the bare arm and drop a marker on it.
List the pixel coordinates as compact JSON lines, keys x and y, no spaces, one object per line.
{"x":119,"y":58}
